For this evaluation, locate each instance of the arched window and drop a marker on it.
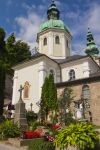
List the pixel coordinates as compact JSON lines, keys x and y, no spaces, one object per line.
{"x":26,"y":89}
{"x":71,"y":74}
{"x":45,"y":41}
{"x":57,"y":41}
{"x":85,"y":92}
{"x":67,"y":43}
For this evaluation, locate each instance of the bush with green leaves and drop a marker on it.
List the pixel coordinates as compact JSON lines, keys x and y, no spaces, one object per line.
{"x":41,"y":144}
{"x":34,"y":125}
{"x":9,"y":130}
{"x":81,"y":135}
{"x":31,"y":116}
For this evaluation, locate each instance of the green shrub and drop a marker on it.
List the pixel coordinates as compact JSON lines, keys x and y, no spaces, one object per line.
{"x":31,"y":116}
{"x":81,"y":135}
{"x":34,"y":125}
{"x":8,"y":129}
{"x":40,"y":144}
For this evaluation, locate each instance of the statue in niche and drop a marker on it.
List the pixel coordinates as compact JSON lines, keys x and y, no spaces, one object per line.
{"x":26,"y":89}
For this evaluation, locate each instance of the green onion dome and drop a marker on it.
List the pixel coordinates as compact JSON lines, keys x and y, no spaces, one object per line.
{"x":53,"y":24}
{"x":91,"y":48}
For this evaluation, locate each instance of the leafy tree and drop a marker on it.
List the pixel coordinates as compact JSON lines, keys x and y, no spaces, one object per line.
{"x":17,"y":51}
{"x":44,"y":99}
{"x":48,"y":97}
{"x":81,"y":135}
{"x":11,"y":52}
{"x":2,"y":42}
{"x":52,"y":99}
{"x":64,"y":104}
{"x":2,"y":87}
{"x":2,"y":69}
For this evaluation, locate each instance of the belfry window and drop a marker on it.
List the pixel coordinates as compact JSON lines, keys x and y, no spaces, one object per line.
{"x":45,"y":41}
{"x":71,"y":74}
{"x":85,"y":92}
{"x":26,"y":89}
{"x":57,"y":41}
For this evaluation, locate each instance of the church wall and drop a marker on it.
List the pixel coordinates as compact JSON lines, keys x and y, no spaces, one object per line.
{"x":30,"y":74}
{"x":83,"y":68}
{"x":50,"y":65}
{"x":94,"y":101}
{"x":34,"y":72}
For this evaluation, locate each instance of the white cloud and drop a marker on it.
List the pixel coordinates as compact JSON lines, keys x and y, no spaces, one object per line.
{"x":29,"y":27}
{"x":81,"y":22}
{"x":29,"y":24}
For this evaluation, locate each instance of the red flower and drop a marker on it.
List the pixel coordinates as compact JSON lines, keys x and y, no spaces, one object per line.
{"x":56,"y":126}
{"x":30,"y":134}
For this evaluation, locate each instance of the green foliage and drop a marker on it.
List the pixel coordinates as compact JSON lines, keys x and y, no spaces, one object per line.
{"x":48,"y":97}
{"x":2,"y":87}
{"x":69,"y":118}
{"x":34,"y":125}
{"x":8,"y":129}
{"x":66,"y":98}
{"x":17,"y":51}
{"x":40,"y":144}
{"x":64,"y":103}
{"x":44,"y":99}
{"x":11,"y":52}
{"x":81,"y":135}
{"x":2,"y":42}
{"x":31,"y":116}
{"x":52,"y":99}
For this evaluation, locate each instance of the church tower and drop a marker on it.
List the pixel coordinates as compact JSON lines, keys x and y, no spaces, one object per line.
{"x":54,"y":38}
{"x":91,"y":48}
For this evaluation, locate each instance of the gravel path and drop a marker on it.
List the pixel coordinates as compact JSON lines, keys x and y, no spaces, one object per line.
{"x":4,"y":146}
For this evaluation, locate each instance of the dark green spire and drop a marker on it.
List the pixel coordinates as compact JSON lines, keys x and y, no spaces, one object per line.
{"x":91,"y":46}
{"x":53,"y":12}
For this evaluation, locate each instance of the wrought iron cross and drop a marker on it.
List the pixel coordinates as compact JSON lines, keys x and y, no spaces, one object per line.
{"x":20,"y":91}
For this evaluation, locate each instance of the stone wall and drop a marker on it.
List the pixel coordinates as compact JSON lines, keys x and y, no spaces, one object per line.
{"x":94,"y":101}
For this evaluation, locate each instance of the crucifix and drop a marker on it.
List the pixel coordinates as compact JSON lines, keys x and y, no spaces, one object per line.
{"x":20,"y":91}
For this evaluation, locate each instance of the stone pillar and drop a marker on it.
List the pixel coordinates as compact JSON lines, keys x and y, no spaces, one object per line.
{"x":20,"y":113}
{"x":42,"y":75}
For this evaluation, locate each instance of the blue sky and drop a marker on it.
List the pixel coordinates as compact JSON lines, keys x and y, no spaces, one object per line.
{"x":23,"y":17}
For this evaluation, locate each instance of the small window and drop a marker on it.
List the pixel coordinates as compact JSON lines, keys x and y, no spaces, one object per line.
{"x":45,"y":41}
{"x":85,"y":92}
{"x":71,"y":74}
{"x":57,"y":41}
{"x":26,"y":89}
{"x":67,"y":43}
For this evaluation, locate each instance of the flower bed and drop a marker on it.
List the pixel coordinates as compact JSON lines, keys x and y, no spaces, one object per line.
{"x":30,"y":135}
{"x":56,"y":126}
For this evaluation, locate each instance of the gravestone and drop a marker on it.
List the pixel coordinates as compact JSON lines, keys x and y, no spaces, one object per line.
{"x":20,"y":112}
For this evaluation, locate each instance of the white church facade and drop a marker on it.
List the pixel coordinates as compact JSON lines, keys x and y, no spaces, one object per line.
{"x":54,"y":56}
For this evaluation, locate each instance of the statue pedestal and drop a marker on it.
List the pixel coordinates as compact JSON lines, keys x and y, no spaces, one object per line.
{"x":20,"y":115}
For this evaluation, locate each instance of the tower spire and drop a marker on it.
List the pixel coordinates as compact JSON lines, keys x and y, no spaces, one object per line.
{"x":53,"y":12}
{"x":91,"y":48}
